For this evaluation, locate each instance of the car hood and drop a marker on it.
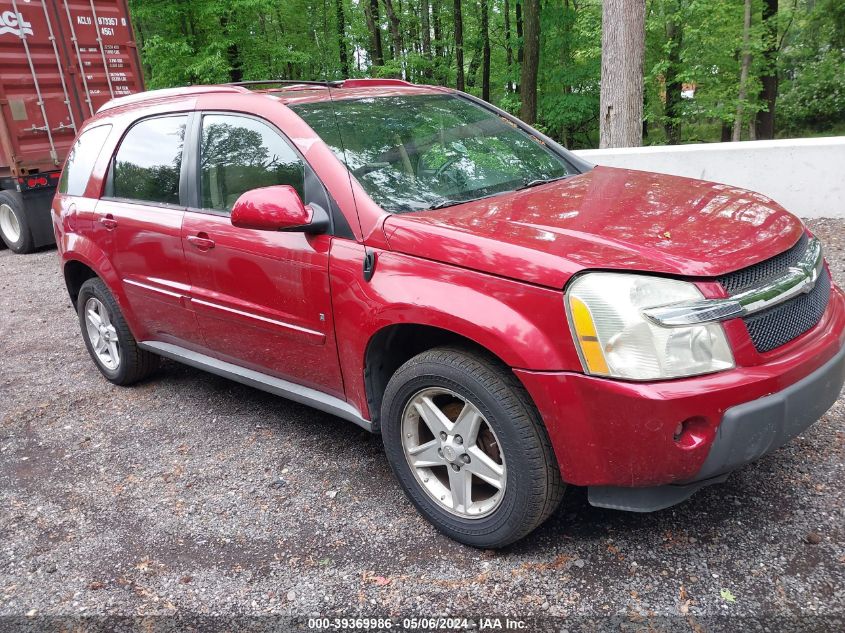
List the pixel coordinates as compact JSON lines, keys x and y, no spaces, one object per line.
{"x":607,"y":218}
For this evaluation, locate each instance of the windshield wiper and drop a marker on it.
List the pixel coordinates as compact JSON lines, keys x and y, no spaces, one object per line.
{"x":447,"y":202}
{"x":540,"y":181}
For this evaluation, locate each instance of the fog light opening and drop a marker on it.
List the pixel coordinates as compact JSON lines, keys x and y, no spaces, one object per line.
{"x":691,"y":432}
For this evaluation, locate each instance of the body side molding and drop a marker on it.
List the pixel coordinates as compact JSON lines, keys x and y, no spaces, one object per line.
{"x":271,"y":384}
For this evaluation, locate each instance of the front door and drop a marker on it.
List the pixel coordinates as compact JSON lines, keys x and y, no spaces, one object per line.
{"x":262,"y":298}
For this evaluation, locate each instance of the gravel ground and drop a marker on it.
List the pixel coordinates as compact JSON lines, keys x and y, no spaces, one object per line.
{"x":191,"y":494}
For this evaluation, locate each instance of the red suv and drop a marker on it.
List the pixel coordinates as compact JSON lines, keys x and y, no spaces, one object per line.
{"x":420,"y":263}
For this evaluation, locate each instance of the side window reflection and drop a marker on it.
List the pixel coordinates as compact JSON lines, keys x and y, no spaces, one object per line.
{"x":147,"y":165}
{"x":238,"y":154}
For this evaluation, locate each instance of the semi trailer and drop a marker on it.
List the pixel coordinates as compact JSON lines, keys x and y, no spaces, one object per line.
{"x":60,"y":60}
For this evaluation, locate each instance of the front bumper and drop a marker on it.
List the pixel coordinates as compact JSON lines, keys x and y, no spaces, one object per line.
{"x":619,"y":439}
{"x":747,"y":432}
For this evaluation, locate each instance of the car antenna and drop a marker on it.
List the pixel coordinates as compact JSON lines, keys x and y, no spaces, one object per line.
{"x":369,"y":267}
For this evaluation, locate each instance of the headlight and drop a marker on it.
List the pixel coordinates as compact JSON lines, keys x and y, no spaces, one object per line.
{"x":615,"y":339}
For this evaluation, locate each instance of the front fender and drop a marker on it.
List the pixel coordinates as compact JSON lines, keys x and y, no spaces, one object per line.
{"x":522,"y":324}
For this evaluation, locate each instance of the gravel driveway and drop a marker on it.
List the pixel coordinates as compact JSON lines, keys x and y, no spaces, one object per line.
{"x":191,"y":494}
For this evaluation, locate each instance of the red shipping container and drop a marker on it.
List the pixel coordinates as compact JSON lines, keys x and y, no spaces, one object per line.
{"x":60,"y":60}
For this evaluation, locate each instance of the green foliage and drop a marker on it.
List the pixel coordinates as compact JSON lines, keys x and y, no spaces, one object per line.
{"x":815,"y":98}
{"x":209,"y":41}
{"x":570,"y":71}
{"x":813,"y":67}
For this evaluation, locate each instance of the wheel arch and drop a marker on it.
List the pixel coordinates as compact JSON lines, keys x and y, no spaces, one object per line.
{"x":76,"y":273}
{"x":82,"y":260}
{"x":393,"y":345}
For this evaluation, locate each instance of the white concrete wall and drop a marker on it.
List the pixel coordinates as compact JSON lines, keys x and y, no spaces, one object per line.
{"x":806,"y":176}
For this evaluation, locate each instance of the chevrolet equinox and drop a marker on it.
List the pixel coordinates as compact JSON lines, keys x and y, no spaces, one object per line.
{"x":410,"y":258}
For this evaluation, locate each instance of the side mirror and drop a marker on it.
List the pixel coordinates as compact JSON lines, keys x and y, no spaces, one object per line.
{"x":278,"y":208}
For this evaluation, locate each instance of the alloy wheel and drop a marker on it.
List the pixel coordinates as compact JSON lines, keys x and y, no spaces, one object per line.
{"x":454,"y":453}
{"x":102,"y":334}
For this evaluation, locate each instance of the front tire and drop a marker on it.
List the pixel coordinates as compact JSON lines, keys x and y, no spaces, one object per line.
{"x":468,"y":447}
{"x":14,"y":224}
{"x":108,"y":339}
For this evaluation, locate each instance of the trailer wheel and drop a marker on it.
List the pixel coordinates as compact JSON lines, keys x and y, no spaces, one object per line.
{"x":14,"y":225}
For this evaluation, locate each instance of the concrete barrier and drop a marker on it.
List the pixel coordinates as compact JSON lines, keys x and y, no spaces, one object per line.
{"x":806,"y":176}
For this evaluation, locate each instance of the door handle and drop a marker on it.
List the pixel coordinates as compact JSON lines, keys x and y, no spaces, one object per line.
{"x":109,"y":222}
{"x":201,"y":241}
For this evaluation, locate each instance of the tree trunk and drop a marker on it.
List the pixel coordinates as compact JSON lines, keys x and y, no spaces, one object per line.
{"x":412,"y":39}
{"x":395,"y":34}
{"x":743,"y":72}
{"x":531,"y":62}
{"x":508,"y":47}
{"x":371,"y":13}
{"x":425,"y":24}
{"x":674,"y":86}
{"x":439,"y":48}
{"x":485,"y":51}
{"x":459,"y":46}
{"x":265,"y":36}
{"x":520,"y":52}
{"x":623,"y":49}
{"x":475,"y":61}
{"x":769,"y":90}
{"x":566,"y":58}
{"x":233,"y":55}
{"x":341,"y":39}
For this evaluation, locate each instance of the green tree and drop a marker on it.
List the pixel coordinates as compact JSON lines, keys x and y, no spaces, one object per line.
{"x":691,"y":76}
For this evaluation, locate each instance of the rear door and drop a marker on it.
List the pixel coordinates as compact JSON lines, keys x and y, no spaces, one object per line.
{"x":262,"y":298}
{"x":139,"y":220}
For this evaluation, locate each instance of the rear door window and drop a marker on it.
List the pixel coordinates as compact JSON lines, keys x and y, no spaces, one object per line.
{"x":149,"y":160}
{"x":81,"y":159}
{"x":239,"y":153}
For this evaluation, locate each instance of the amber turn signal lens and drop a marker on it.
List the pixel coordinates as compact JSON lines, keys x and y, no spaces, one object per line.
{"x":588,"y":340}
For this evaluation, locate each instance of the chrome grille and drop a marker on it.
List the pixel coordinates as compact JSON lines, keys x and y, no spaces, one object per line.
{"x":782,"y":323}
{"x":736,"y":282}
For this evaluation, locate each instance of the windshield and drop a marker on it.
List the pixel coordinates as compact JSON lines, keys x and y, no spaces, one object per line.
{"x":421,"y":151}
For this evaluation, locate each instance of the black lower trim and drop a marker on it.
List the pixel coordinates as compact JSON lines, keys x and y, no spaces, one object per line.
{"x":270,"y":384}
{"x":648,"y":499}
{"x":753,"y":429}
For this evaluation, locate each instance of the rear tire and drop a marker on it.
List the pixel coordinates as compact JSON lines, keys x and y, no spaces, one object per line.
{"x":14,"y":224}
{"x":107,"y":337}
{"x":520,"y":483}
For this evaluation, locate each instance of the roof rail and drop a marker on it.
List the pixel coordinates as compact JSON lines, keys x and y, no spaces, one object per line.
{"x":375,"y":81}
{"x":164,"y":93}
{"x":283,"y":82}
{"x":363,"y":82}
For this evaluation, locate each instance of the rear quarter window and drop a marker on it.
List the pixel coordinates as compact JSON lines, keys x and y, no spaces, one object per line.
{"x":81,"y":159}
